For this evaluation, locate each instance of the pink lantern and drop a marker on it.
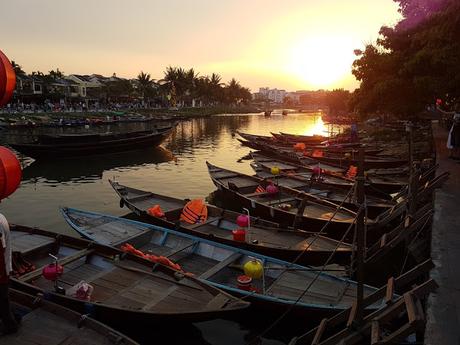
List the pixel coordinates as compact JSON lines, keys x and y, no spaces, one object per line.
{"x":52,"y":271}
{"x":272,"y":189}
{"x":316,"y":170}
{"x":242,"y":221}
{"x":439,"y":101}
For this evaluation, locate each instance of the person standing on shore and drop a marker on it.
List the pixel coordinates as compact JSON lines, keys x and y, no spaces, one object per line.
{"x":453,"y":140}
{"x":9,"y":323}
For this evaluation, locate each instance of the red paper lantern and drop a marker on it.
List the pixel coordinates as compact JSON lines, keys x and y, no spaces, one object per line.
{"x":439,"y":101}
{"x":10,"y":172}
{"x":7,"y":79}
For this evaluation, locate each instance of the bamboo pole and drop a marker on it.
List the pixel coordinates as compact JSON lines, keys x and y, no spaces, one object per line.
{"x":360,"y":237}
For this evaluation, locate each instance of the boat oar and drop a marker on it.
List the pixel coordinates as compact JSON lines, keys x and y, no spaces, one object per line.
{"x":304,"y":269}
{"x":138,"y":270}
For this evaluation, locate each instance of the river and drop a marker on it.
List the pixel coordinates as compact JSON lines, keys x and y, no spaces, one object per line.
{"x":177,"y":168}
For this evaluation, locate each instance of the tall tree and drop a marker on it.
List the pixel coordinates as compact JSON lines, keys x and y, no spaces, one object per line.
{"x":413,"y":63}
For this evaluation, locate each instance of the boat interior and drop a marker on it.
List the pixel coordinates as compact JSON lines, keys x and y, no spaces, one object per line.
{"x":218,"y":264}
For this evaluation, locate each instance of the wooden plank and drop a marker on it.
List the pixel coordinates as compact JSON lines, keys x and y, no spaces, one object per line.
{"x":352,"y":314}
{"x":68,"y":259}
{"x":383,"y":240}
{"x":410,"y":306}
{"x":390,"y":290}
{"x":213,"y":270}
{"x":194,"y":226}
{"x":375,"y":332}
{"x":218,"y":302}
{"x":319,"y":333}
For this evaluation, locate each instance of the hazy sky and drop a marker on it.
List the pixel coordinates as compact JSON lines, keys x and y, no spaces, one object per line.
{"x":290,"y":44}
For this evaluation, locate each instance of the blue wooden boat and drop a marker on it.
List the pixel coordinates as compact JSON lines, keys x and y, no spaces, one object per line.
{"x":282,"y":285}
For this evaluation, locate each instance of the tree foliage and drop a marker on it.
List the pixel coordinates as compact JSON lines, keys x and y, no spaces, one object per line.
{"x":413,"y":63}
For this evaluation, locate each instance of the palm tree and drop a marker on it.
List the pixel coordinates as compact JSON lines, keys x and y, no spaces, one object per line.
{"x":17,"y":68}
{"x":145,"y":84}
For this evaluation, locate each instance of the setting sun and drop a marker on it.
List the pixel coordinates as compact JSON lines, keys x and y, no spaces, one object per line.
{"x":321,"y":61}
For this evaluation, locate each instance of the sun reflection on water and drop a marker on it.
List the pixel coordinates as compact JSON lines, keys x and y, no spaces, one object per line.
{"x":316,"y":127}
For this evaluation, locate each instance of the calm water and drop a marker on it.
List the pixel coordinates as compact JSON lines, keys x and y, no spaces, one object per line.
{"x":177,"y":168}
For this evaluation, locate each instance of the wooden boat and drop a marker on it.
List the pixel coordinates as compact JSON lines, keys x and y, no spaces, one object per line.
{"x":375,"y":205}
{"x":379,"y":182}
{"x":308,"y":139}
{"x":288,"y":154}
{"x":335,"y":148}
{"x":398,"y":318}
{"x":283,"y":285}
{"x":126,"y":287}
{"x":375,"y":186}
{"x":370,"y":162}
{"x":71,"y":145}
{"x":341,"y":159}
{"x":288,"y":206}
{"x":263,"y":237}
{"x":46,"y":323}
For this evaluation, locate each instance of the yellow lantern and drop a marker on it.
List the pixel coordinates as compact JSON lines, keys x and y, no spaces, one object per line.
{"x":254,"y":269}
{"x":347,"y":155}
{"x":275,"y":170}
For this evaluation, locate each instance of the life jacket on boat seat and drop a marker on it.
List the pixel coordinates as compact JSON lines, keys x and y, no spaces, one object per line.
{"x":156,"y":211}
{"x":352,"y":171}
{"x":260,"y":189}
{"x":194,"y":212}
{"x":317,"y":153}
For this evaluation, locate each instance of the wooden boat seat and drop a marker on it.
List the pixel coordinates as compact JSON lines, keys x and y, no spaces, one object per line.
{"x":280,"y":201}
{"x":139,"y":197}
{"x":194,"y":226}
{"x":224,"y":263}
{"x":250,"y":195}
{"x":66,"y":260}
{"x":217,"y":302}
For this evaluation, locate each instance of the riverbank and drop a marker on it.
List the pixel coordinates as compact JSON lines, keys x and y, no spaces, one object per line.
{"x":39,"y":118}
{"x":444,"y":305}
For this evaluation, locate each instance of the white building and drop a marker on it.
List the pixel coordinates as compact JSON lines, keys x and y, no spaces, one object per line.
{"x":274,"y":95}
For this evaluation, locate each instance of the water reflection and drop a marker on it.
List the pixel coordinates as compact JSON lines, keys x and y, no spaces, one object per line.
{"x":90,"y":169}
{"x":178,"y":170}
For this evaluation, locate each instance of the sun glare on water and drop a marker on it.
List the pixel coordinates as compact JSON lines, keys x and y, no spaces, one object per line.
{"x":316,"y":128}
{"x":321,"y":61}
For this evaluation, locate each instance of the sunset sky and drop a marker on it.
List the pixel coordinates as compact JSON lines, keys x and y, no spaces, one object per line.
{"x":290,"y":44}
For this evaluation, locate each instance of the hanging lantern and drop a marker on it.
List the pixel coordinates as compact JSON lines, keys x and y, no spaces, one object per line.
{"x":439,"y":101}
{"x":7,"y":79}
{"x":253,"y":268}
{"x":275,"y":170}
{"x":10,"y":172}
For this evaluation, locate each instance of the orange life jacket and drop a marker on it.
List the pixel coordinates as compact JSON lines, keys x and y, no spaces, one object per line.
{"x":195,"y":211}
{"x":156,"y":211}
{"x":352,"y":171}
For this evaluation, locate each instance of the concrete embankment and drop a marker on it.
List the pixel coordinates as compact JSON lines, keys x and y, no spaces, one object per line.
{"x":443,"y":314}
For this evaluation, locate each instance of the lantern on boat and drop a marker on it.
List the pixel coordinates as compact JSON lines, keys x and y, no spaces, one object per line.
{"x":7,"y":79}
{"x":242,"y":221}
{"x":275,"y":170}
{"x":254,"y":268}
{"x":316,"y":170}
{"x":239,"y":234}
{"x":272,"y":189}
{"x":52,"y":271}
{"x":10,"y":172}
